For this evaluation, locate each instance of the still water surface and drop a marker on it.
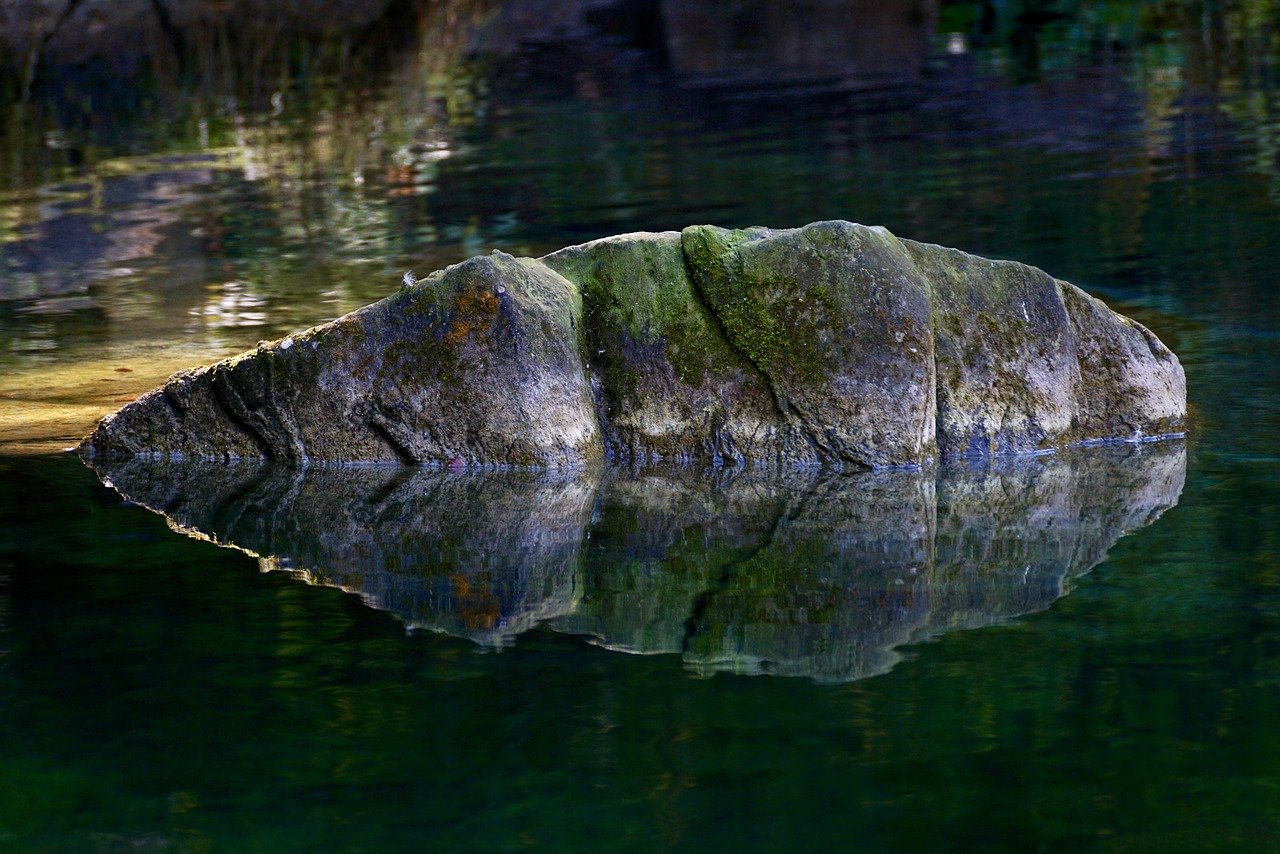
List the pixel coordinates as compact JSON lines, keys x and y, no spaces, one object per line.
{"x":1072,"y":653}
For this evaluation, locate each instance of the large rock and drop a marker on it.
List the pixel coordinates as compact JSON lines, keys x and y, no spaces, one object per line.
{"x":831,"y":343}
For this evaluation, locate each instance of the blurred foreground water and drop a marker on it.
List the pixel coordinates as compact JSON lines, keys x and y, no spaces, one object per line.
{"x":1078,"y":652}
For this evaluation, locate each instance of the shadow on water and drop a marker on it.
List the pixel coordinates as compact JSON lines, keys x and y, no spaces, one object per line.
{"x":814,"y":573}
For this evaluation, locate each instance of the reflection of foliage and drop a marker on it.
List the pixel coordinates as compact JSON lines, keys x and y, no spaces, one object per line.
{"x":326,"y":141}
{"x":212,"y":79}
{"x":1039,"y":35}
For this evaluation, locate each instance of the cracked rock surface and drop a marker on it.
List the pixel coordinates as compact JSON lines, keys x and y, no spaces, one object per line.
{"x":834,"y":343}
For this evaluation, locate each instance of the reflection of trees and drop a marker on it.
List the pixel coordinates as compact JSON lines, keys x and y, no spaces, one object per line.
{"x":1185,"y":51}
{"x":374,"y":137}
{"x":813,"y":573}
{"x":857,"y":43}
{"x":333,"y":88}
{"x":307,"y":125}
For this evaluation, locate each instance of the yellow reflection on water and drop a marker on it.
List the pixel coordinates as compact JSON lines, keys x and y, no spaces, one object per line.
{"x":50,"y":407}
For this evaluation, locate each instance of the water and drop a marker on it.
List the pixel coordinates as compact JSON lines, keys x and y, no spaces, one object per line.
{"x":1074,"y":653}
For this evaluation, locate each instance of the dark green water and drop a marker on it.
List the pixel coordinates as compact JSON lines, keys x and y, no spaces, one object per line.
{"x":1071,"y":653}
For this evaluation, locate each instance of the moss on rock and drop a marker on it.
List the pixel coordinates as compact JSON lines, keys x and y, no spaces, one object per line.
{"x":670,"y":384}
{"x":837,"y":319}
{"x":1027,"y":363}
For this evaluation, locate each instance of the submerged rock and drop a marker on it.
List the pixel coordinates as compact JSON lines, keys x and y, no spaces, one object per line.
{"x":831,"y":343}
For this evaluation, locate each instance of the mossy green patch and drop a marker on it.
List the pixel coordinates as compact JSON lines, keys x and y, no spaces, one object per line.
{"x":835,"y":317}
{"x":756,"y":329}
{"x":643,"y":319}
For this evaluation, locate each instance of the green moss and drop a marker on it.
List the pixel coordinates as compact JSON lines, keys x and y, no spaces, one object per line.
{"x":604,"y":350}
{"x":765,"y":319}
{"x":695,"y":349}
{"x":638,"y":302}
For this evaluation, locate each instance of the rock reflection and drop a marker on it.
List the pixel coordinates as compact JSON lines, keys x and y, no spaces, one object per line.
{"x":483,"y":556}
{"x":817,"y":574}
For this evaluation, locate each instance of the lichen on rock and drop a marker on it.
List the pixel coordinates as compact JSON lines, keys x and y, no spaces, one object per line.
{"x":1028,"y":363}
{"x":1005,"y":354}
{"x":832,"y":343}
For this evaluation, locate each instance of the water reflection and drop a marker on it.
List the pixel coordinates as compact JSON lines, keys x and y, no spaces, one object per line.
{"x":812,"y":574}
{"x":69,"y":238}
{"x":757,"y":47}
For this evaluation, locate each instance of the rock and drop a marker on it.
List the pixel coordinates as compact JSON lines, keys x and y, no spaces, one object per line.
{"x":831,"y":343}
{"x":1131,"y":385}
{"x":1005,"y":358}
{"x":1026,"y":362}
{"x":478,"y":362}
{"x":836,"y":318}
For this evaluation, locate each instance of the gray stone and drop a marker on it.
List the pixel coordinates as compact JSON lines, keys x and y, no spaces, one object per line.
{"x":476,"y":364}
{"x":1131,"y":384}
{"x":1027,"y":363}
{"x":834,"y":343}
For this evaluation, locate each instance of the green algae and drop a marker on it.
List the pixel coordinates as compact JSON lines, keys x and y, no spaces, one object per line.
{"x":670,"y":383}
{"x":637,"y":289}
{"x":755,"y":329}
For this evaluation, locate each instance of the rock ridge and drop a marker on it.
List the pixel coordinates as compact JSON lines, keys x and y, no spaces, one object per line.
{"x":834,"y":343}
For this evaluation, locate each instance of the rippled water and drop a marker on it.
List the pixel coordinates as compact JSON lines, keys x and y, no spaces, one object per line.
{"x":1072,"y":653}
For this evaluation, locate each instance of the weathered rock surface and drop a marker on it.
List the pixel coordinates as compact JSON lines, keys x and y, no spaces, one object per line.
{"x":831,"y":343}
{"x":670,"y":384}
{"x":1025,"y":362}
{"x":805,"y":572}
{"x":476,"y":363}
{"x":836,"y":318}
